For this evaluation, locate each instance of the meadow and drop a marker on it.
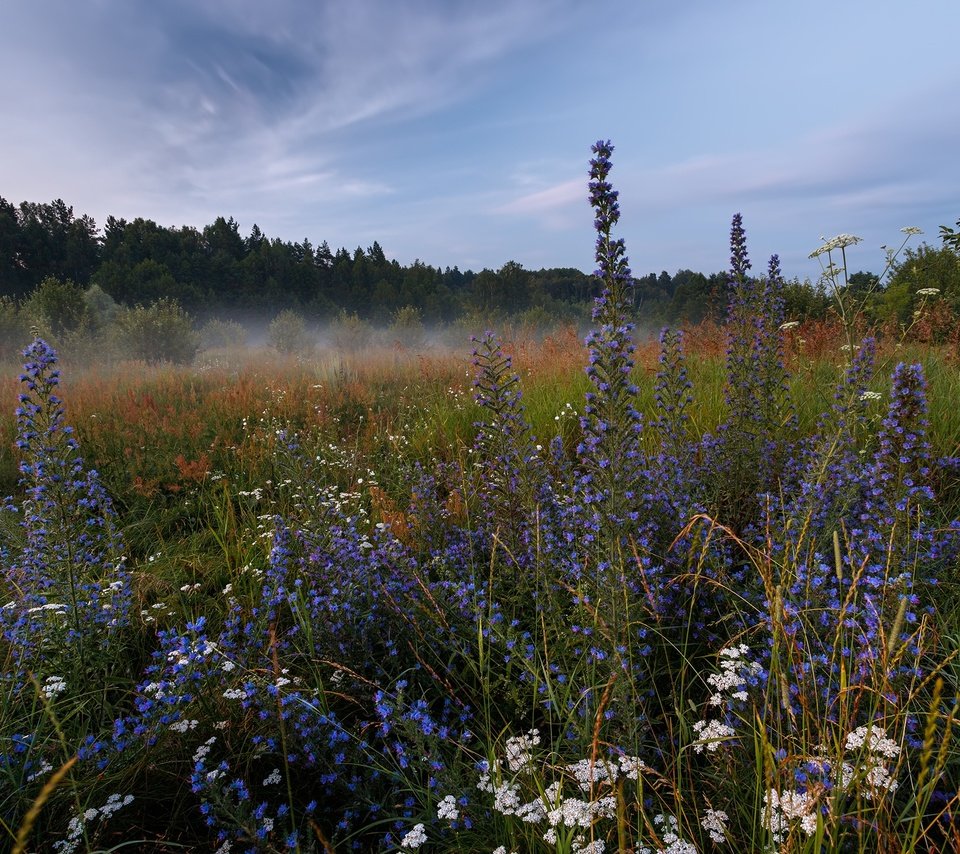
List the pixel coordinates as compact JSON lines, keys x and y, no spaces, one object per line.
{"x":666,"y":594}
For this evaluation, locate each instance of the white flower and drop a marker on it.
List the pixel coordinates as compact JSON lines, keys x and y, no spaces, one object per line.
{"x":911,"y":229}
{"x":631,"y":766}
{"x":780,"y":807}
{"x":506,"y":799}
{"x":183,"y":725}
{"x":447,"y":808}
{"x":870,"y":395}
{"x":875,"y":739}
{"x":204,"y":749}
{"x":273,"y":779}
{"x":518,"y":749}
{"x":669,"y":833}
{"x":415,"y":838}
{"x":588,"y":771}
{"x":44,"y":767}
{"x":928,"y":292}
{"x":52,"y":686}
{"x":710,"y":734}
{"x":841,"y":241}
{"x":715,"y":823}
{"x":790,"y":324}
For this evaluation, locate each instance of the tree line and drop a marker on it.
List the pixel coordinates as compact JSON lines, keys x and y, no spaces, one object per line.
{"x":217,"y":271}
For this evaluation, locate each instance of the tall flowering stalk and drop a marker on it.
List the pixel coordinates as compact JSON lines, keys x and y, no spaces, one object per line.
{"x":71,"y":589}
{"x":756,"y":437}
{"x":614,"y":478}
{"x":506,"y":450}
{"x":674,"y":465}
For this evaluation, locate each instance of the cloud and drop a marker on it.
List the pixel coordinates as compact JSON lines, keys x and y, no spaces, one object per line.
{"x":210,"y":100}
{"x":549,"y":200}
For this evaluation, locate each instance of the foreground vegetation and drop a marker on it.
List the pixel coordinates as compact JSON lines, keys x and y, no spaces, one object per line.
{"x":700,"y":598}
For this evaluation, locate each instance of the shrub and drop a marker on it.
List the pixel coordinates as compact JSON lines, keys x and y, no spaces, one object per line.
{"x":287,"y":333}
{"x":407,"y":327}
{"x":350,"y":333}
{"x":56,"y":307}
{"x":160,"y":332}
{"x":101,"y":308}
{"x":222,"y":334}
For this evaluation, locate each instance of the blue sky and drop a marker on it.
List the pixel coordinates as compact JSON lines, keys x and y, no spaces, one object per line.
{"x":459,"y":132}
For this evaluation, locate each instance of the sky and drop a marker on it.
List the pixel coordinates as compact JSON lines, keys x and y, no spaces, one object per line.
{"x":459,"y":132}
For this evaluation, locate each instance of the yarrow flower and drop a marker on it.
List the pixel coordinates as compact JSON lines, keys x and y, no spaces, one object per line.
{"x":928,"y":292}
{"x":52,"y":686}
{"x":518,"y":749}
{"x":875,"y":740}
{"x":710,"y":734}
{"x":447,"y":809}
{"x":414,"y":838}
{"x":715,"y":823}
{"x":669,"y":831}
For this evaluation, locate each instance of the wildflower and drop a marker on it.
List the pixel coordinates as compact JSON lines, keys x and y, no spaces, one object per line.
{"x":518,"y":749}
{"x":631,"y":766}
{"x":870,"y":395}
{"x":273,"y":778}
{"x":204,"y":749}
{"x":447,"y":808}
{"x":588,"y":772}
{"x":875,"y":740}
{"x":911,"y":230}
{"x":928,"y":292}
{"x":841,"y":241}
{"x":788,"y":325}
{"x":414,"y":838}
{"x":669,"y":831}
{"x":52,"y":686}
{"x":710,"y":734}
{"x":715,"y":823}
{"x":780,"y":807}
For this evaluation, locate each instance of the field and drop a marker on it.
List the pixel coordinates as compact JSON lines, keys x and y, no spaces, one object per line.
{"x":701,"y":596}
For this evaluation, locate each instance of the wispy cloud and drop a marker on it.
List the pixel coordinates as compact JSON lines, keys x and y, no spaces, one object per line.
{"x":549,"y":204}
{"x":208,"y":97}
